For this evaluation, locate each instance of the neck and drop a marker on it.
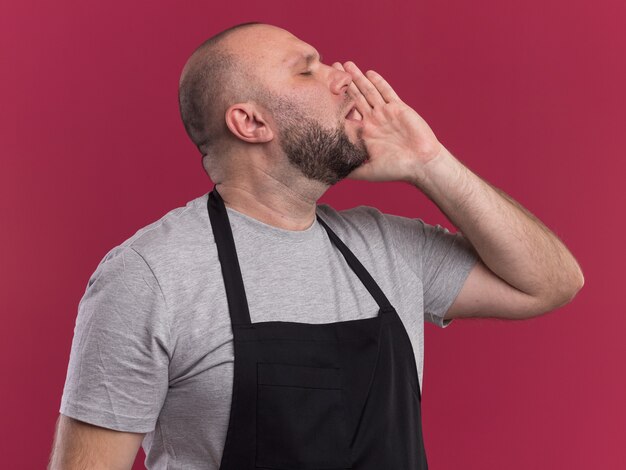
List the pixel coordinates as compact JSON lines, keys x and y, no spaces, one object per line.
{"x":290,"y":207}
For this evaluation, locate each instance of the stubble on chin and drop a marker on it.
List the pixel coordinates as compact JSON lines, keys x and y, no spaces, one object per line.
{"x":322,"y":154}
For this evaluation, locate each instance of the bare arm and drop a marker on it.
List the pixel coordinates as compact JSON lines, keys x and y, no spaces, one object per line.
{"x":524,"y":270}
{"x":81,"y":446}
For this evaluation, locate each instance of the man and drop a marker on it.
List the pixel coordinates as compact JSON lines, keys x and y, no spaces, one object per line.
{"x":153,"y":354}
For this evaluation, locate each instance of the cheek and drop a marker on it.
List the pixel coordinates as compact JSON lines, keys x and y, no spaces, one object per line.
{"x":318,"y":105}
{"x":322,"y":104}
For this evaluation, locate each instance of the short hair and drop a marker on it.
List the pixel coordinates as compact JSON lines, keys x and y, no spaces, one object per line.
{"x":212,"y":82}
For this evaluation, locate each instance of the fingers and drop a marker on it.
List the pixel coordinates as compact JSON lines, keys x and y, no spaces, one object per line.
{"x":371,"y":85}
{"x":365,"y":86}
{"x":361,"y":103}
{"x":382,"y":86}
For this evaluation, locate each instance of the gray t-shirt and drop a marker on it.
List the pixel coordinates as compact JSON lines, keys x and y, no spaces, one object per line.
{"x":152,"y":349}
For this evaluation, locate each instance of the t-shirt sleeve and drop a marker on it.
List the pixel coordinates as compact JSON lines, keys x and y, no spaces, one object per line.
{"x":117,"y":375}
{"x":441,"y":259}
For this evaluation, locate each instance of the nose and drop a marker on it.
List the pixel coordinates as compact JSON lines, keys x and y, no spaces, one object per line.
{"x":340,"y":81}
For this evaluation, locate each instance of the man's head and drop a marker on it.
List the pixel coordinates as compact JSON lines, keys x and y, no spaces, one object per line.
{"x":257,"y":89}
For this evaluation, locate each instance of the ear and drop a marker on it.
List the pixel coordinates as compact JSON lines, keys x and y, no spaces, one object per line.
{"x":247,"y":123}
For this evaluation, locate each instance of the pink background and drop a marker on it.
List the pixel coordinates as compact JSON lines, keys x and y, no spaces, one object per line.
{"x":529,"y":95}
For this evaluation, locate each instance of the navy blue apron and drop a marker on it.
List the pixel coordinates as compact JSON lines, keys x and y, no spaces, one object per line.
{"x":306,"y":396}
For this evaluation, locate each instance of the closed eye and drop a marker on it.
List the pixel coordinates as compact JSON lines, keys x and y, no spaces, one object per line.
{"x":307,"y":73}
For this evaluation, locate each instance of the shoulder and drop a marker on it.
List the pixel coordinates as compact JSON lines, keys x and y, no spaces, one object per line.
{"x":180,"y":226}
{"x":165,"y":249}
{"x":359,"y":218}
{"x":365,"y":230}
{"x":178,"y":232}
{"x":371,"y":223}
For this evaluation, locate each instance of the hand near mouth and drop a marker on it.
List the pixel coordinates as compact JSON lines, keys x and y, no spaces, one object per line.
{"x":399,"y":142}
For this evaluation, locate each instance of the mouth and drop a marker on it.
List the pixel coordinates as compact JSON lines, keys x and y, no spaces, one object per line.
{"x":354,"y":115}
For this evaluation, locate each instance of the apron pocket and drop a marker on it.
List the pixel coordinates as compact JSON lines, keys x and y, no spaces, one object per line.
{"x":301,"y":418}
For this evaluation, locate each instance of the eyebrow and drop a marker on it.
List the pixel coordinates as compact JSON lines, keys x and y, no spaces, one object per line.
{"x":308,"y":58}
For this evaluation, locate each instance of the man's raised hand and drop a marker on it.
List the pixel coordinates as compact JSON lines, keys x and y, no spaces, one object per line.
{"x":398,"y":140}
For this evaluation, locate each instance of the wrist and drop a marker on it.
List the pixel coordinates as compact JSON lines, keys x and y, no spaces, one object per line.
{"x":437,"y":167}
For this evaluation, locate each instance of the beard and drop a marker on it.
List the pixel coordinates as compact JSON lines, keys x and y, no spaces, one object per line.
{"x":321,"y":154}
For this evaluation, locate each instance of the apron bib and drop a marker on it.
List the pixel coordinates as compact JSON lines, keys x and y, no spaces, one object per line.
{"x":341,"y":395}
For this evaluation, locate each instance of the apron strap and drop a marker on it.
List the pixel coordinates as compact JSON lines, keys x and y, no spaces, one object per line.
{"x":365,"y":277}
{"x":233,"y":280}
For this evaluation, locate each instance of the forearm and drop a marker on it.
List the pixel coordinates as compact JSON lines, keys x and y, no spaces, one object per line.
{"x":513,"y":243}
{"x":79,"y":446}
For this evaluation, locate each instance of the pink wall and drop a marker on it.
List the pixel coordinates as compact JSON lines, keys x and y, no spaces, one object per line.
{"x":529,"y":95}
